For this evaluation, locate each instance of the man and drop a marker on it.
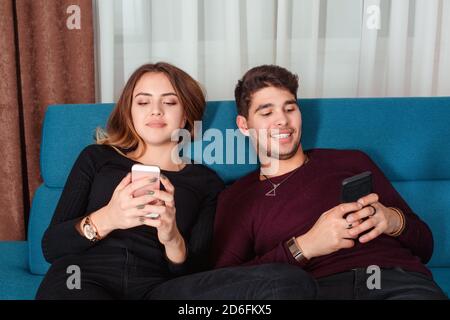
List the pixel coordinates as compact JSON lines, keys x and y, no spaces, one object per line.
{"x":289,"y":211}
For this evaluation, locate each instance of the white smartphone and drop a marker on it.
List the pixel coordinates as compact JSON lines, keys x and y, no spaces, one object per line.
{"x":152,"y":174}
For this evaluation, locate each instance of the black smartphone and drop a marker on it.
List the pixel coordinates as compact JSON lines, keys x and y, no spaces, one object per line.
{"x":356,"y":187}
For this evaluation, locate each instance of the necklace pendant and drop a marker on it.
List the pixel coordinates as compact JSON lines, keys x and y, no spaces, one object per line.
{"x":272,"y":192}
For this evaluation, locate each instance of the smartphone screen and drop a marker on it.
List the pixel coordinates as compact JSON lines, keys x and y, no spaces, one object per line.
{"x":151,"y":173}
{"x":356,"y":187}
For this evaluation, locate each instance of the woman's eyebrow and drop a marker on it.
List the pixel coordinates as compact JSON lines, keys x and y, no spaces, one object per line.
{"x":150,"y":95}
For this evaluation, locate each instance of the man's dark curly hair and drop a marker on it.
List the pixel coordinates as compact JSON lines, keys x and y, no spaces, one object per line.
{"x":261,"y":77}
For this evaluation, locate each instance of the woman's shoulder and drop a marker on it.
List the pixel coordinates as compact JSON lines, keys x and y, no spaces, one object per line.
{"x":98,"y":153}
{"x":99,"y":150}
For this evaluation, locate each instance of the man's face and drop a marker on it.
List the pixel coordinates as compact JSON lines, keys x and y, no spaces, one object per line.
{"x":273,"y":123}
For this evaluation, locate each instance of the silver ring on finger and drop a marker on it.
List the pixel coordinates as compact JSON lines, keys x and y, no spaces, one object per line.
{"x":374,"y":210}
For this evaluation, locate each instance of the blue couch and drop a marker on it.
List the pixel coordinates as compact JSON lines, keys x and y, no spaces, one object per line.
{"x":409,"y":138}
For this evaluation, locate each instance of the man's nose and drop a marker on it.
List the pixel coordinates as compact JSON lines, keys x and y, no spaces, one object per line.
{"x":281,"y":119}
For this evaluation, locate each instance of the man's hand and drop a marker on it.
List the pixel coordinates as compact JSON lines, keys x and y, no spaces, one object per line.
{"x":376,"y":216}
{"x":331,"y":232}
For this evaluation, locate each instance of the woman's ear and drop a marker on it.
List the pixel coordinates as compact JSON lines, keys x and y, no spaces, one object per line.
{"x":242,"y":124}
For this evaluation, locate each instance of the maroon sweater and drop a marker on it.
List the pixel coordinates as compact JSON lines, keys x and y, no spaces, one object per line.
{"x":251,"y":228}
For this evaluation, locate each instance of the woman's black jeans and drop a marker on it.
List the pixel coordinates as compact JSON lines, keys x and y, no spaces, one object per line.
{"x":115,"y":273}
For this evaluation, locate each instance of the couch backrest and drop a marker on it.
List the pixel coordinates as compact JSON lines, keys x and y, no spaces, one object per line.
{"x":409,"y":138}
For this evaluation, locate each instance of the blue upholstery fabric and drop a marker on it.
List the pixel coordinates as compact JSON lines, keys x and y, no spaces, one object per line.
{"x":42,"y":208}
{"x":16,"y":281}
{"x":407,"y":137}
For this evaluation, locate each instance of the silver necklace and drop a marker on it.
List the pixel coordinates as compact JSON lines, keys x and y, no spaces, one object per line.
{"x":272,"y":192}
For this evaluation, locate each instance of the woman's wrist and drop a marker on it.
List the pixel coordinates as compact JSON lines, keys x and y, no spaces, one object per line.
{"x":101,"y":222}
{"x":176,"y":250}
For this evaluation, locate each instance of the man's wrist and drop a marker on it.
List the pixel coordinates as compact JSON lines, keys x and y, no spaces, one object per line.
{"x":296,"y":247}
{"x":399,"y":222}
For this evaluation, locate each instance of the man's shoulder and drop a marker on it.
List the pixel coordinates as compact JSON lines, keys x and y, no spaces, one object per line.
{"x":338,"y":154}
{"x":241,"y":185}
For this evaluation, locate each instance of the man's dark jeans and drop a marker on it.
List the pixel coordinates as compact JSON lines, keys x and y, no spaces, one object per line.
{"x":394,"y":283}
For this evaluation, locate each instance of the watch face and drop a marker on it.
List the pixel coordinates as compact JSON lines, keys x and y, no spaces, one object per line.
{"x":89,"y":232}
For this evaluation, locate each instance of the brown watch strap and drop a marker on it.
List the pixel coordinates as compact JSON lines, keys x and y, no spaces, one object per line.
{"x":295,"y":250}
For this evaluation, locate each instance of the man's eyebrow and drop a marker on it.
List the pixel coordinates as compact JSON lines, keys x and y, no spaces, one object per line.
{"x":150,"y":95}
{"x":268,"y":105}
{"x":290,"y":102}
{"x":263,"y":106}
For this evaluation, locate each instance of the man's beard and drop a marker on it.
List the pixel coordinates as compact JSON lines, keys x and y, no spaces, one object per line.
{"x":283,"y":156}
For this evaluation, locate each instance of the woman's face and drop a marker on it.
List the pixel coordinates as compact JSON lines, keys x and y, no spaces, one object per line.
{"x":156,"y":110}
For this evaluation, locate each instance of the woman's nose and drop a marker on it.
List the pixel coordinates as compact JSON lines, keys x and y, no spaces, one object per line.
{"x":156,"y":110}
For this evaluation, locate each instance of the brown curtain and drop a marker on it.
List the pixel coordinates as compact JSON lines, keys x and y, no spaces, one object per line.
{"x":46,"y":57}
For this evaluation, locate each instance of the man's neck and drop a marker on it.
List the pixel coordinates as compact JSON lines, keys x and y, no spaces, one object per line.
{"x":274,"y":167}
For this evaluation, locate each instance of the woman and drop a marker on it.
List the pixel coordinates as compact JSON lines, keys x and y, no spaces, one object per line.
{"x":99,"y":227}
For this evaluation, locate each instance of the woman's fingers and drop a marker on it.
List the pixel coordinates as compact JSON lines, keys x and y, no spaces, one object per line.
{"x":125,"y":181}
{"x":147,"y":209}
{"x":135,"y":185}
{"x":167,"y":184}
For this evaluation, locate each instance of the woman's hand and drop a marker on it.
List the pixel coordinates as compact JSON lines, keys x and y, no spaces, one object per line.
{"x":375,"y":215}
{"x":166,"y":224}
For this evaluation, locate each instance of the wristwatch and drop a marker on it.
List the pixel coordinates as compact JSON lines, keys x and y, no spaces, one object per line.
{"x":295,"y":250}
{"x":90,"y":231}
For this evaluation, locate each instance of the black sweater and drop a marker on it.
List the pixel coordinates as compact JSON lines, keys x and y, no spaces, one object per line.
{"x":89,"y":187}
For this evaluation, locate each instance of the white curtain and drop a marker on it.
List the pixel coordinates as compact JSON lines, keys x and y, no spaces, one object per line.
{"x":345,"y":48}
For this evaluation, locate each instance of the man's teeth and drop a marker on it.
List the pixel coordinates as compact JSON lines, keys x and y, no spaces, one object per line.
{"x":281,"y":136}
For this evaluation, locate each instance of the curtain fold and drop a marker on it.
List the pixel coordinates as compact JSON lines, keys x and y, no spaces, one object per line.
{"x":12,"y":225}
{"x":332,"y":45}
{"x":51,"y":46}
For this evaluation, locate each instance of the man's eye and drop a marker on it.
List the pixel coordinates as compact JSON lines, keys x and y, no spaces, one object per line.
{"x":266,"y":114}
{"x":290,"y":109}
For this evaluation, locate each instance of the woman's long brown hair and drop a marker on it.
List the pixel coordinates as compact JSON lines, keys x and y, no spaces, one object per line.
{"x":120,"y":132}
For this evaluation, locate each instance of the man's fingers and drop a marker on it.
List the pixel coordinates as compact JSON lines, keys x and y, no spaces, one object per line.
{"x":361,"y":214}
{"x":346,"y":208}
{"x":369,"y":199}
{"x":370,"y":235}
{"x":346,"y":243}
{"x":366,"y":225}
